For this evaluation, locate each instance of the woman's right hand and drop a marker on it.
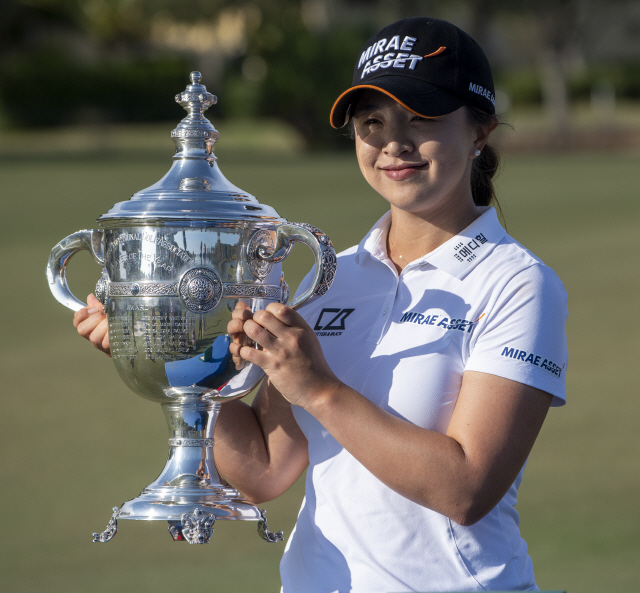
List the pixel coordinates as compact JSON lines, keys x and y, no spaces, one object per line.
{"x":91,"y":323}
{"x":241,"y":313}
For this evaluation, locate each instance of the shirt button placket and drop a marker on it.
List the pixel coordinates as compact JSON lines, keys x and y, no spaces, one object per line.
{"x":382,"y":322}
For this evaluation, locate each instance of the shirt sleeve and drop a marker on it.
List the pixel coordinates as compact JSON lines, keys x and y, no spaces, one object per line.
{"x":523,"y":336}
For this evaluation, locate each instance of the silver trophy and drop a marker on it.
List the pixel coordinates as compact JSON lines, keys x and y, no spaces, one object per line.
{"x":177,"y":257}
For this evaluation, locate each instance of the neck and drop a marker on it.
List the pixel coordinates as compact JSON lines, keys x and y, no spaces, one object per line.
{"x":412,"y":236}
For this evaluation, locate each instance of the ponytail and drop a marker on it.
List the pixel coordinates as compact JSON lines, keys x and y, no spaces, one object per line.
{"x":483,"y":169}
{"x":485,"y":165}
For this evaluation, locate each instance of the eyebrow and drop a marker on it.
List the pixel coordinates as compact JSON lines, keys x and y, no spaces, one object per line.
{"x":367,"y":107}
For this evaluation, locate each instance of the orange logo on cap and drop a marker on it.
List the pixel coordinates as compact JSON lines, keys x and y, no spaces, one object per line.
{"x":437,"y":52}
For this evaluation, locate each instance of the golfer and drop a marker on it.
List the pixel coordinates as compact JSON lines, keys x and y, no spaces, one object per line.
{"x":413,"y":391}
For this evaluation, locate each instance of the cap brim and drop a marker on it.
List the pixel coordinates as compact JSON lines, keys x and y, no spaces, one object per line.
{"x":417,"y":96}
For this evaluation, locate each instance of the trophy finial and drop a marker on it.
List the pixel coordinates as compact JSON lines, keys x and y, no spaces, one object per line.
{"x":196,"y":99}
{"x":195,"y":132}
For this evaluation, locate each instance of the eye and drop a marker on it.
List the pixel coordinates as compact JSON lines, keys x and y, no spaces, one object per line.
{"x":368,"y":123}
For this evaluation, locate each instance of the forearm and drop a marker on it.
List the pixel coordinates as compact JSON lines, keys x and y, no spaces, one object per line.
{"x":239,"y":449}
{"x":257,"y":448}
{"x":427,"y":467}
{"x":462,"y":474}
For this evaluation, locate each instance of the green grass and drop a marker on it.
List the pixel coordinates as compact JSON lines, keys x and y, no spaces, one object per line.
{"x":75,"y":442}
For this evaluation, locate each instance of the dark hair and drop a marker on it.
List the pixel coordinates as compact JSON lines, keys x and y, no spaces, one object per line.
{"x":485,"y":165}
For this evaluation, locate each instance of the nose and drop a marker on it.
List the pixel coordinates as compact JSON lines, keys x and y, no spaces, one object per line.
{"x":396,"y":148}
{"x":397,"y":143}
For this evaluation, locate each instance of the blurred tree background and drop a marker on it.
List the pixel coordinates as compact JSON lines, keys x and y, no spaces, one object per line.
{"x":99,"y":61}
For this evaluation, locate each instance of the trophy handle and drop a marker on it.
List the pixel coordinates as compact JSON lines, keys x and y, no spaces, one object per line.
{"x":289,"y":233}
{"x":91,"y":240}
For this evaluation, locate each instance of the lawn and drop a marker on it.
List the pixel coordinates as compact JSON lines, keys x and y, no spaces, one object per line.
{"x":76,"y":442}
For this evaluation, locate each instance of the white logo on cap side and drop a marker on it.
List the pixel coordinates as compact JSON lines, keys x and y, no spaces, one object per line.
{"x":486,"y":93}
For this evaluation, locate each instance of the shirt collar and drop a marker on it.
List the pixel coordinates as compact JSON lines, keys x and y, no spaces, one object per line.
{"x":458,"y":256}
{"x":375,"y":241}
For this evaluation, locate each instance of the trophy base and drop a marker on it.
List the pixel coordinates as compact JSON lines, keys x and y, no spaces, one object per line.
{"x":190,"y":521}
{"x":223,"y":503}
{"x":189,"y":494}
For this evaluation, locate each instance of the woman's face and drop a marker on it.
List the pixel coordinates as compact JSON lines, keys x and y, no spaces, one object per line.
{"x":418,"y":165}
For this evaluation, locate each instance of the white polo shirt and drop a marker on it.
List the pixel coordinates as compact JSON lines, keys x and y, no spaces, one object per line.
{"x":479,"y":302}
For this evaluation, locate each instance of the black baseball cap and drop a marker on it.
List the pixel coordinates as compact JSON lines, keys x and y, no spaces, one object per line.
{"x":429,"y":66}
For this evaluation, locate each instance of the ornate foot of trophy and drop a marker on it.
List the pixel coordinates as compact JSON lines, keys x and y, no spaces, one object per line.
{"x":177,"y":258}
{"x":111,"y":529}
{"x":188,"y":494}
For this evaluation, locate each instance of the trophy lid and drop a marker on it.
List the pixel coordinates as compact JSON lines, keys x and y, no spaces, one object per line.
{"x":194,"y":189}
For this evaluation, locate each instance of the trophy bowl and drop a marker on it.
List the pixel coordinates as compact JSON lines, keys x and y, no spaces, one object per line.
{"x":177,"y":258}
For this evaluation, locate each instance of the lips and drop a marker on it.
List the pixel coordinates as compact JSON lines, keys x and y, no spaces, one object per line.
{"x":403,"y":171}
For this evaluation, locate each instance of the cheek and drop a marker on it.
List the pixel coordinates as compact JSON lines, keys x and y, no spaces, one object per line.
{"x":366,"y":156}
{"x":448,"y":157}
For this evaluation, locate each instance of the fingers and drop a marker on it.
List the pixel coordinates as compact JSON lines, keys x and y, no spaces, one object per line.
{"x":263,"y":327}
{"x":278,"y":329}
{"x":235,"y":329}
{"x":99,"y":337}
{"x":259,"y":334}
{"x":79,"y":316}
{"x":106,"y":345}
{"x":92,"y":301}
{"x":269,"y":324}
{"x":91,"y":323}
{"x":269,"y":321}
{"x":94,"y":306}
{"x":278,"y":317}
{"x":286,"y":315}
{"x":240,"y":314}
{"x":88,"y":322}
{"x":235,"y":349}
{"x":241,"y":309}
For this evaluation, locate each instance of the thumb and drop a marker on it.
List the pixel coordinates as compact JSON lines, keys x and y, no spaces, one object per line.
{"x":92,"y":301}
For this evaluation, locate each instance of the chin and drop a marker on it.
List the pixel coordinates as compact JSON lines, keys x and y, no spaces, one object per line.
{"x":410,"y":202}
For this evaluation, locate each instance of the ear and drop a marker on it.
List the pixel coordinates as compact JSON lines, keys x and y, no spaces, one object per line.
{"x":483,"y":132}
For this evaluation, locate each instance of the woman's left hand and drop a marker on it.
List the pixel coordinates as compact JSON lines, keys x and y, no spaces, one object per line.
{"x":291,"y":355}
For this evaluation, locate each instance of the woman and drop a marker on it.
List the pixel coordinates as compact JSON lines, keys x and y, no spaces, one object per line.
{"x":415,"y":388}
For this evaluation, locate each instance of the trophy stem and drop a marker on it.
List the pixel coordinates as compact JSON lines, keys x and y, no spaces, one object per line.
{"x":189,"y":484}
{"x":190,"y":462}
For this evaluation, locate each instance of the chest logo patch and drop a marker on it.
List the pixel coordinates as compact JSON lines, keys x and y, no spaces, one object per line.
{"x":462,"y":325}
{"x":330,"y":322}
